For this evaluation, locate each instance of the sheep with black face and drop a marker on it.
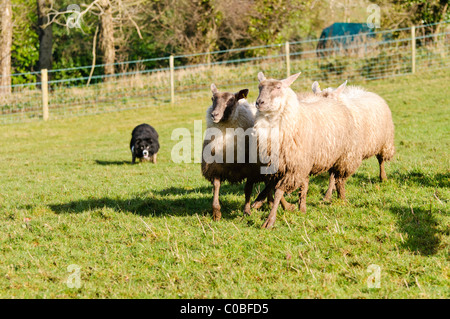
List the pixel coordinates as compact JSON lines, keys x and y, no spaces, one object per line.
{"x":226,"y":148}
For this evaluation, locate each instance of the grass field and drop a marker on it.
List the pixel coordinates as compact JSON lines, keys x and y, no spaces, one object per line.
{"x":69,"y":196}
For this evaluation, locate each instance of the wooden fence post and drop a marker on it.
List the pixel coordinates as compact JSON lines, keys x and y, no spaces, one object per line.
{"x":288,"y":61}
{"x":44,"y":88}
{"x":413,"y":47}
{"x":208,"y":59}
{"x":172,"y":81}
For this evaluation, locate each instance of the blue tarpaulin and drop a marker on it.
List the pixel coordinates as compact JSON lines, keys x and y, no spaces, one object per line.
{"x":340,"y":35}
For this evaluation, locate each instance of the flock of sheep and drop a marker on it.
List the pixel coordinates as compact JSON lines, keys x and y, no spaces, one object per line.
{"x":297,"y":135}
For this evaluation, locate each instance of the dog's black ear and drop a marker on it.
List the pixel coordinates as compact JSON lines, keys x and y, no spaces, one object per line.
{"x":138,"y":141}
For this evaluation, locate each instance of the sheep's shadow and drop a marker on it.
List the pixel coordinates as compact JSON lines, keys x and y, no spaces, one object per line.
{"x":411,"y":178}
{"x":357,"y":178}
{"x":174,"y":201}
{"x":421,"y":228}
{"x":418,"y":223}
{"x":421,"y":179}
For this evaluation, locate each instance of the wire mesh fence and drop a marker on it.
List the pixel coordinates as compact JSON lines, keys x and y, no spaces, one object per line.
{"x":86,"y":90}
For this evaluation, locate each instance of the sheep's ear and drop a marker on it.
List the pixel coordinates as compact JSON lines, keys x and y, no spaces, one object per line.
{"x":316,"y":87}
{"x":242,"y":94}
{"x":287,"y":82}
{"x":340,"y":89}
{"x":261,"y":77}
{"x":214,"y":89}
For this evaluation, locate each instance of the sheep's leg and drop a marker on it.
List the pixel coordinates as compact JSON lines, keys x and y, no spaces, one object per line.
{"x":286,"y":205}
{"x":331,"y":188}
{"x":262,"y":196}
{"x":273,"y":212}
{"x":248,"y":194}
{"x":267,"y":192}
{"x":303,"y":190}
{"x":270,"y":198}
{"x":340,"y":187}
{"x":383,"y":176}
{"x":216,"y":205}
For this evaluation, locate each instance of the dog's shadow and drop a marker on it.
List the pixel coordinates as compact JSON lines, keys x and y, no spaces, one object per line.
{"x":116,"y":163}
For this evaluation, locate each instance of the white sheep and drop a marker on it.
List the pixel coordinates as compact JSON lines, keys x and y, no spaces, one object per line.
{"x":373,"y":121}
{"x":313,"y":137}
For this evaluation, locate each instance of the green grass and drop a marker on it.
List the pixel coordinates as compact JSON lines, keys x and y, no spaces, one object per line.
{"x":69,"y":195}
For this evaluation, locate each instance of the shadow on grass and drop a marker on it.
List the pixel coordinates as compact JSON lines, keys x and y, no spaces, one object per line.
{"x":418,"y":223}
{"x":421,"y":228}
{"x":106,"y":163}
{"x":357,"y":178}
{"x":173,"y":201}
{"x":413,"y":178}
{"x":421,"y":179}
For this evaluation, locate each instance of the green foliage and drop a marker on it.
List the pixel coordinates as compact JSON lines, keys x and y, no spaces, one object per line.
{"x":24,"y":51}
{"x":267,"y":25}
{"x":197,"y":26}
{"x":425,"y":11}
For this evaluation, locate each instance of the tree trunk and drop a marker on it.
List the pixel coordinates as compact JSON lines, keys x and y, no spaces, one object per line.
{"x":45,"y":36}
{"x":5,"y":49}
{"x":107,"y":37}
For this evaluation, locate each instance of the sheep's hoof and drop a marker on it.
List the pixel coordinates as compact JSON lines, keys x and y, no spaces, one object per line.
{"x":217,"y":215}
{"x":327,"y":199}
{"x":289,"y":207}
{"x":247,"y":211}
{"x":257,"y":205}
{"x":303,"y":208}
{"x":269,"y":223}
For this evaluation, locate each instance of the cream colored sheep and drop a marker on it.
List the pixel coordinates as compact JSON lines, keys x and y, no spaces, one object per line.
{"x":373,"y":122}
{"x":313,"y":137}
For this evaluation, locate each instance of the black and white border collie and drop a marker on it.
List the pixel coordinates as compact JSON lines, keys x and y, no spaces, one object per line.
{"x":144,"y":143}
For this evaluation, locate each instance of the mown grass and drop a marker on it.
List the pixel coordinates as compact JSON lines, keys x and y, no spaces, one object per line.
{"x":69,"y":195}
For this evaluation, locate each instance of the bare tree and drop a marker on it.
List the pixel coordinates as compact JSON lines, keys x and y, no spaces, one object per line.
{"x":199,"y":25}
{"x":6,"y":44}
{"x":107,"y":36}
{"x":113,"y":17}
{"x":45,"y":33}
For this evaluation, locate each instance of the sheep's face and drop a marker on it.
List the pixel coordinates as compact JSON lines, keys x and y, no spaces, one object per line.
{"x":273,"y":93}
{"x":224,"y":104}
{"x":270,"y":96}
